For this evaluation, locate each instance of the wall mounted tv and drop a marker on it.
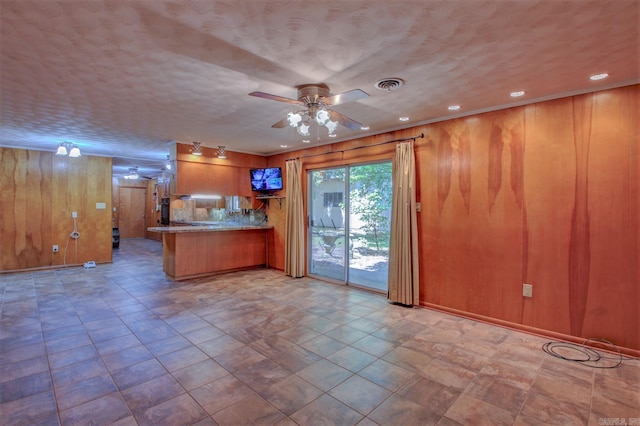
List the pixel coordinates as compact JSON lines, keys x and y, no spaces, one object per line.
{"x":267,"y":179}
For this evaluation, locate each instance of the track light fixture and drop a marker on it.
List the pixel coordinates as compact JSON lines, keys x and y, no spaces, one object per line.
{"x":222,"y":152}
{"x":195,"y":148}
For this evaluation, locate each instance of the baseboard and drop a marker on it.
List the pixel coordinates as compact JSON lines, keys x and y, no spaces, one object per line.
{"x":521,"y":327}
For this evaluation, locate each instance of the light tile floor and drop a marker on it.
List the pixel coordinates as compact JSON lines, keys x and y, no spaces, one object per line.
{"x":121,"y":344}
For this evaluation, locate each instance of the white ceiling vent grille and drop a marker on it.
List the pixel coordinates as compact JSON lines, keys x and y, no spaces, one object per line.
{"x":389,"y":84}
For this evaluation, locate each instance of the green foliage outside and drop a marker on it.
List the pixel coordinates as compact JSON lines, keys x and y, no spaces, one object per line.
{"x":370,"y":198}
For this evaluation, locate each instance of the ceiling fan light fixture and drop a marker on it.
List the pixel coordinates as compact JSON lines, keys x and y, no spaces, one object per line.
{"x":133,"y":174}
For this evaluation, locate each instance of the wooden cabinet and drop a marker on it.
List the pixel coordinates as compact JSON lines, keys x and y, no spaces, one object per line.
{"x":202,"y":178}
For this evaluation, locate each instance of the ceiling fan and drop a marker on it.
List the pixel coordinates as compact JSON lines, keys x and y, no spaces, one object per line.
{"x":316,"y":100}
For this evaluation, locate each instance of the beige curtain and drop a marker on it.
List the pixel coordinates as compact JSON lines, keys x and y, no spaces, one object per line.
{"x":403,"y":249}
{"x":294,"y":236}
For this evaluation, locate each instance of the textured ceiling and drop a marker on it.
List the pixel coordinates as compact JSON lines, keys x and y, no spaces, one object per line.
{"x":127,"y":78}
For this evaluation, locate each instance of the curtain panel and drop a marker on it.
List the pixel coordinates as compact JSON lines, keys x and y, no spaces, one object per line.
{"x":404,"y":275}
{"x":294,"y":235}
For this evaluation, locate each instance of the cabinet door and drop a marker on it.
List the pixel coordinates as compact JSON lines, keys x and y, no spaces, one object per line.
{"x":197,"y":178}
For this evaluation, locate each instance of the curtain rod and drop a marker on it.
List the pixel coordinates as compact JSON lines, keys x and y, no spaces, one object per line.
{"x":413,"y":138}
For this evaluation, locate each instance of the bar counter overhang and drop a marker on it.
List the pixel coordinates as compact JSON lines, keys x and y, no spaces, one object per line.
{"x":197,"y":251}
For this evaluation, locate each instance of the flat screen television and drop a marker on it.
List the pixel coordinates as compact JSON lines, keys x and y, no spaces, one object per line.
{"x":266,"y":179}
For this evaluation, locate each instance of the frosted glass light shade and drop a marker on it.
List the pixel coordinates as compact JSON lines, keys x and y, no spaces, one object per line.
{"x":75,"y":152}
{"x":294,"y":119}
{"x":303,"y":129}
{"x":62,"y":150}
{"x":322,"y":117}
{"x":331,"y":126}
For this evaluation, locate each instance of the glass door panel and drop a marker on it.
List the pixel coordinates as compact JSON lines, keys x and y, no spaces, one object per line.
{"x":370,"y":192}
{"x":349,"y":222}
{"x":327,"y":223}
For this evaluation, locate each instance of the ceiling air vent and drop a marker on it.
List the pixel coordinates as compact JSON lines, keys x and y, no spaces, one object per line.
{"x":389,"y":84}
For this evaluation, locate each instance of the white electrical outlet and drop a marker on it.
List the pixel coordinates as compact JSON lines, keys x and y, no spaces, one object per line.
{"x":74,"y":215}
{"x":55,"y":248}
{"x":527,"y":290}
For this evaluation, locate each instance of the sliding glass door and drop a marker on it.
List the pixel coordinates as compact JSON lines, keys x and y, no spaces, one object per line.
{"x":350,"y":211}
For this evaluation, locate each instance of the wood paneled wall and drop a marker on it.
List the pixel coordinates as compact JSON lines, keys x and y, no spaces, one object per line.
{"x":39,"y":192}
{"x":546,"y":194}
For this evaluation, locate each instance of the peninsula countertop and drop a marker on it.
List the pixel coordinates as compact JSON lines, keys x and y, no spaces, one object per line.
{"x":206,"y":228}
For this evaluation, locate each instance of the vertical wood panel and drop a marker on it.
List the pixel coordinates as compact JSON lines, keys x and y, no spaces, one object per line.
{"x":39,"y":192}
{"x":550,"y":170}
{"x":471,"y":234}
{"x":582,"y":216}
{"x":613,"y":293}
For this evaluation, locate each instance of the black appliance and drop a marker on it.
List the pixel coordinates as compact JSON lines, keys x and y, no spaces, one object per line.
{"x":164,"y":211}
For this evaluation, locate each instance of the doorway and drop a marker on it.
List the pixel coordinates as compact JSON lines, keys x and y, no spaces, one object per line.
{"x":349,"y":224}
{"x":132,"y":212}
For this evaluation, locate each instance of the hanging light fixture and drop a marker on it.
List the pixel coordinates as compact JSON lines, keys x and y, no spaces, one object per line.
{"x":75,"y":152}
{"x":62,"y":149}
{"x":66,"y":148}
{"x":222,"y":152}
{"x":195,"y":148}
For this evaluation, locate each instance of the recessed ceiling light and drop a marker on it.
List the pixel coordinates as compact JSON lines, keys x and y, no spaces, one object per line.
{"x":599,"y":76}
{"x":453,"y":107}
{"x":306,"y":141}
{"x":516,"y":94}
{"x":283,"y":146}
{"x":332,"y":135}
{"x":403,"y":118}
{"x":364,"y":127}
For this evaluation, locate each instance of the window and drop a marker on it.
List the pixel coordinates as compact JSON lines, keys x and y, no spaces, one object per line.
{"x":333,"y":199}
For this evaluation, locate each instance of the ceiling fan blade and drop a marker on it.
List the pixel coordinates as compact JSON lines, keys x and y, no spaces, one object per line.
{"x":275,"y":98}
{"x":344,"y":97}
{"x":344,"y":120}
{"x":280,"y":124}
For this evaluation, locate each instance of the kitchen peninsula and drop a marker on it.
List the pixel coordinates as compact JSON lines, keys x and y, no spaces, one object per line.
{"x":196,"y":251}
